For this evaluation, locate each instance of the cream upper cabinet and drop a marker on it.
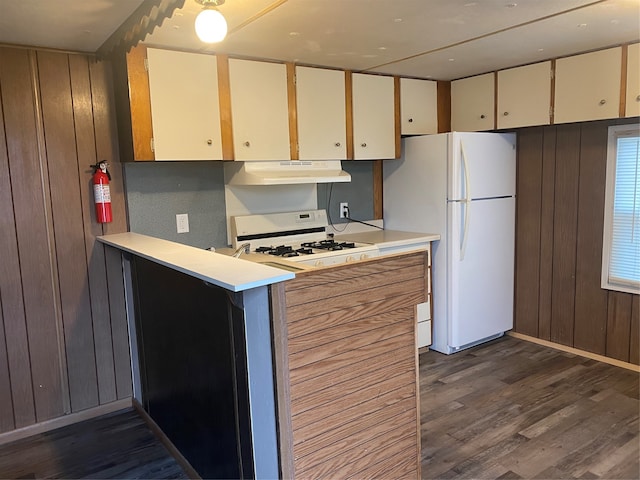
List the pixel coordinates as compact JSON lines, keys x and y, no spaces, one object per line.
{"x":418,"y":106}
{"x":588,"y":86}
{"x":321,"y":114}
{"x":524,"y":96}
{"x":185,"y":111}
{"x":472,"y":103}
{"x":632,"y":108}
{"x":259,"y":110}
{"x":373,"y":117}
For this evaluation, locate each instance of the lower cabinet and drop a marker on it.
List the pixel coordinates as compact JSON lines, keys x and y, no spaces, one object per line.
{"x":352,"y":382}
{"x":424,"y":310}
{"x":424,"y":333}
{"x":193,"y":372}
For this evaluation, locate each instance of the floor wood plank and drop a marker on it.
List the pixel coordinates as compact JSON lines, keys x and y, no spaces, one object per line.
{"x":513,"y":409}
{"x":118,"y":445}
{"x":508,"y":409}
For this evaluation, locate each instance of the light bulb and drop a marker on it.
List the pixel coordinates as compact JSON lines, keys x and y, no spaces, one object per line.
{"x":211,"y":27}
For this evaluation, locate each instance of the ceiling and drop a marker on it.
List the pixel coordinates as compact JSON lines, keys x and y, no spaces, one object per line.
{"x":439,"y":39}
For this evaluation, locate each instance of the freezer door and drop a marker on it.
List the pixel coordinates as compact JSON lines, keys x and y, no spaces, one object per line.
{"x":482,"y":165}
{"x":481,"y":269}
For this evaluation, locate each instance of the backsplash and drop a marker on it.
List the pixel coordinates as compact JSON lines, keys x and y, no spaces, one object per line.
{"x":358,"y":193}
{"x":157,"y":191}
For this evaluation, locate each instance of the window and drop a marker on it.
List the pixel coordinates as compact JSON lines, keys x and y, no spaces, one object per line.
{"x":621,"y":240}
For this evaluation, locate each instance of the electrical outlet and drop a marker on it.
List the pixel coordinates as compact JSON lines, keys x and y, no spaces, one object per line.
{"x":344,"y":209}
{"x":182,"y":222}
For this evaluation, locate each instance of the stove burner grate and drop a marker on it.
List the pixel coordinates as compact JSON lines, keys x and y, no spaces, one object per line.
{"x":306,"y":248}
{"x":330,"y":245}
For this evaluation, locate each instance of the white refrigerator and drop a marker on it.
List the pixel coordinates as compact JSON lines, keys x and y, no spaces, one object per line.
{"x":462,"y":186}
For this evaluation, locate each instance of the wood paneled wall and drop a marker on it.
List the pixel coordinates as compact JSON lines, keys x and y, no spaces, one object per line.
{"x":560,"y":213}
{"x":63,"y":334}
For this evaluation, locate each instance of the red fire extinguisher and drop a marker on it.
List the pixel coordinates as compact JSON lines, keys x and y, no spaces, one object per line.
{"x":101,"y":192}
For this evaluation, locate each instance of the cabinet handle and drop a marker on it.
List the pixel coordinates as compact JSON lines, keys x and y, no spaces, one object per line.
{"x":410,"y":120}
{"x":505,"y":113}
{"x":482,"y":116}
{"x":247,"y":144}
{"x":209,"y":142}
{"x":337,"y":144}
{"x":363,"y":145}
{"x":603,"y":101}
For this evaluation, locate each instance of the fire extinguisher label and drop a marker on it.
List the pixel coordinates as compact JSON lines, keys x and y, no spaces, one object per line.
{"x":102,"y":193}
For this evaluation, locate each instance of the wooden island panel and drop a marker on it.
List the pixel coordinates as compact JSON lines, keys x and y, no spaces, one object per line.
{"x":351,"y":406}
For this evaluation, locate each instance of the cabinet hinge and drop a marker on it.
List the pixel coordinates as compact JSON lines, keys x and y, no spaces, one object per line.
{"x":552,"y":73}
{"x":153,"y":145}
{"x":146,"y":64}
{"x":550,"y":112}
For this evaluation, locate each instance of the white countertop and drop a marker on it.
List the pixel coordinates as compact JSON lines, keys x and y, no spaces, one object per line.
{"x":389,"y":238}
{"x":234,"y":274}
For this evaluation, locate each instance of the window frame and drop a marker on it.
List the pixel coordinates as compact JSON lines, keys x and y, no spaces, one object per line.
{"x":614,"y":133}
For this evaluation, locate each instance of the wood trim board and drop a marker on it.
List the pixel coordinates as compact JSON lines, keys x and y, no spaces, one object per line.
{"x":224,"y":99}
{"x":160,"y":435}
{"x":348,"y":86}
{"x":140,"y":104}
{"x":576,"y":351}
{"x":66,"y":205}
{"x":283,"y":392}
{"x":293,"y":111}
{"x":70,"y":419}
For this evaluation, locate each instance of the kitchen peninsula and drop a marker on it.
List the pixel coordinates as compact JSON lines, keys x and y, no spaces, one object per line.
{"x":256,"y":372}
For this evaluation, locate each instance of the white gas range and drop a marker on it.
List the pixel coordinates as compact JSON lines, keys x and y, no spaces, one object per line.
{"x":298,"y":237}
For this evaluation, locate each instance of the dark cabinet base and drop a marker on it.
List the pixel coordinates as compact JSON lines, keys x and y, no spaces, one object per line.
{"x":192,"y":354}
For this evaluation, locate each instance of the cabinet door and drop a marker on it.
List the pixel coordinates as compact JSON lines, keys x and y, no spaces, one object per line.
{"x":321,"y":112}
{"x":472,"y":103}
{"x":633,"y":81}
{"x":524,"y":96}
{"x":588,"y":86}
{"x":373,"y":117}
{"x":185,"y":109}
{"x":259,"y":110}
{"x":418,"y":106}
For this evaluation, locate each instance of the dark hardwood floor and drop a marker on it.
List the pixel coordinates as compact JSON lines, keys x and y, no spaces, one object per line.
{"x":118,"y":445}
{"x":514,"y":409}
{"x":505,"y":409}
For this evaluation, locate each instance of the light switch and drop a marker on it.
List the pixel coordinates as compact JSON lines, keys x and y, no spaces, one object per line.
{"x":182,"y":222}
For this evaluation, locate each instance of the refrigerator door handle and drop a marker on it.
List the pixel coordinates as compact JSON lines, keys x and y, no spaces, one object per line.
{"x":466,"y":202}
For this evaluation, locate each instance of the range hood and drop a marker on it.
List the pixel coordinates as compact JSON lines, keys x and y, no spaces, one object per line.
{"x":286,"y":172}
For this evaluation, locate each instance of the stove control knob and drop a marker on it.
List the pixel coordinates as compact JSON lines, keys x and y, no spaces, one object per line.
{"x":364,"y":256}
{"x":319,"y":263}
{"x":350,"y":259}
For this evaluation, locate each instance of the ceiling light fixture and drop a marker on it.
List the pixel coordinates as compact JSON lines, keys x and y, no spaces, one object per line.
{"x":211,"y":27}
